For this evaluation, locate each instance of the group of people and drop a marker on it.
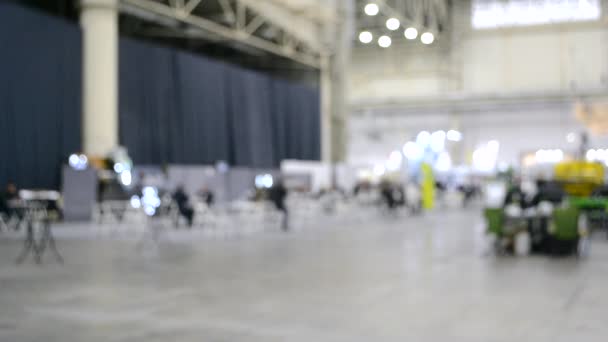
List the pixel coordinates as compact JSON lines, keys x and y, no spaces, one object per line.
{"x":392,"y":195}
{"x":277,"y":195}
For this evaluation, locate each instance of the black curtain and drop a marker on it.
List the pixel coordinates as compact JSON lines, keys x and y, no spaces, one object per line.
{"x":40,"y":92}
{"x":203,"y":124}
{"x":249,"y":110}
{"x":147,"y":102}
{"x":297,"y":121}
{"x":180,"y":108}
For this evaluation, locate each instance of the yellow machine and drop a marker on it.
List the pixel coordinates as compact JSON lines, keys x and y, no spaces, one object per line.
{"x":428,"y":187}
{"x":579,"y":177}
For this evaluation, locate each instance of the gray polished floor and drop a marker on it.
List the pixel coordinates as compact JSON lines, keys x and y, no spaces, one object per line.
{"x":386,"y":279}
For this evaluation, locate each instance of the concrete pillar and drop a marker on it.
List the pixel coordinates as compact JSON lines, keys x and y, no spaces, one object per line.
{"x":99,"y":22}
{"x":326,"y":110}
{"x":339,"y":110}
{"x":456,"y":149}
{"x":333,"y":84}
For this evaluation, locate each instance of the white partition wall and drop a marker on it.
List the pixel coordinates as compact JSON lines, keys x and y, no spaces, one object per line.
{"x":320,"y":172}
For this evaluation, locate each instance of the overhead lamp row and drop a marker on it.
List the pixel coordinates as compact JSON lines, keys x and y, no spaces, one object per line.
{"x":385,"y":41}
{"x":392,"y":24}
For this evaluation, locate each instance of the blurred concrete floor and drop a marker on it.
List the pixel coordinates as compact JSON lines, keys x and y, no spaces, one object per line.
{"x":386,"y":279}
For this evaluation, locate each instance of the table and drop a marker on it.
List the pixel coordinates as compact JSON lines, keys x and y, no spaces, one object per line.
{"x":35,"y":212}
{"x":535,"y":223}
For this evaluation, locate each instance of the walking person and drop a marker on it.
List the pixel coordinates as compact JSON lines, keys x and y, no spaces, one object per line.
{"x":277,"y":195}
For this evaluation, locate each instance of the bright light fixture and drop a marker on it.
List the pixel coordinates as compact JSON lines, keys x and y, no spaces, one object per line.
{"x":427,"y":38}
{"x":444,"y":162}
{"x":394,"y":161}
{"x":366,"y":37}
{"x":549,"y":156}
{"x":493,"y":146}
{"x":150,"y":200}
{"x":74,"y":161}
{"x":135,"y":202}
{"x":393,"y":24}
{"x":488,"y":14}
{"x":411,"y":33}
{"x":379,"y":170}
{"x":396,"y":156}
{"x":371,"y":9}
{"x":438,"y":141}
{"x":126,"y":178}
{"x":264,"y":181}
{"x":118,"y":168}
{"x":484,"y":160}
{"x":78,"y":161}
{"x":413,"y":151}
{"x":454,"y":135}
{"x":486,"y":156}
{"x":423,"y":139}
{"x":571,"y":137}
{"x":385,"y":41}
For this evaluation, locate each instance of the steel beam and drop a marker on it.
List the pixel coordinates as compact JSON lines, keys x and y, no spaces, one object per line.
{"x":235,"y":34}
{"x":191,"y":5}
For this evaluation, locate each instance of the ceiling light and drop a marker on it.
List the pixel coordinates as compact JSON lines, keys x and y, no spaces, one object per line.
{"x":385,"y":41}
{"x":366,"y":37}
{"x":427,"y":38}
{"x":371,"y":9}
{"x":393,"y":24}
{"x":411,"y":33}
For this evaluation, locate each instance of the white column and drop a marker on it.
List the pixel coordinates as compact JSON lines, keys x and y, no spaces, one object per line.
{"x":99,"y":22}
{"x":338,"y":70}
{"x":326,"y":110}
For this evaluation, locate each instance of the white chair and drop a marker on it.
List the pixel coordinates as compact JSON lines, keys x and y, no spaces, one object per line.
{"x":11,"y":222}
{"x":204,"y":216}
{"x":249,"y":216}
{"x":112,"y":217}
{"x":272,"y":218}
{"x":4,"y":222}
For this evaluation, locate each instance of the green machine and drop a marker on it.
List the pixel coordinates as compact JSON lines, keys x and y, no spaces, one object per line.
{"x":563,"y":236}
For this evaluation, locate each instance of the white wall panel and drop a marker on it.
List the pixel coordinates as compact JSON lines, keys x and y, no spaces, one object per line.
{"x":516,"y":86}
{"x":552,"y":58}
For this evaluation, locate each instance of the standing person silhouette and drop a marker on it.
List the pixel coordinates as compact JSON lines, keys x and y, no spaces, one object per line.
{"x":278,"y":194}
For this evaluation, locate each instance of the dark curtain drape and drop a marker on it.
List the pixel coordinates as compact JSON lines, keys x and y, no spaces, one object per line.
{"x":186,"y":109}
{"x":147,"y":102}
{"x":203,"y":124}
{"x":40,"y":92}
{"x":296,"y":120}
{"x":249,"y":110}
